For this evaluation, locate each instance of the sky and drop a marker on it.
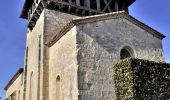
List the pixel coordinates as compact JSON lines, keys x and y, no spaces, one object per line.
{"x":155,"y":13}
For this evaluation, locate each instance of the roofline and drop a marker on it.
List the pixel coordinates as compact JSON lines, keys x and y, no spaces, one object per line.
{"x":22,"y":12}
{"x":17,"y":74}
{"x":28,"y":3}
{"x":106,"y":16}
{"x":132,"y":1}
{"x":25,"y":8}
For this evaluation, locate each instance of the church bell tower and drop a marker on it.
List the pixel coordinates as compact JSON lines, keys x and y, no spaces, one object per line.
{"x":48,"y":22}
{"x":72,"y":45}
{"x":33,"y":8}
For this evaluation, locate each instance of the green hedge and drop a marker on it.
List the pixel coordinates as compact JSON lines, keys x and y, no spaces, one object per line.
{"x":137,"y":79}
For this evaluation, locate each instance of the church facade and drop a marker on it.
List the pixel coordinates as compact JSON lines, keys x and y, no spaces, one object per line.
{"x":72,"y":46}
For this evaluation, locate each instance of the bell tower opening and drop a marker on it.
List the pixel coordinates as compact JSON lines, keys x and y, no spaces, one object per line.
{"x":33,"y":8}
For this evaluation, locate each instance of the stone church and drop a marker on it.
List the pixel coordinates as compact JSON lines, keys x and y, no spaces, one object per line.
{"x":72,"y":45}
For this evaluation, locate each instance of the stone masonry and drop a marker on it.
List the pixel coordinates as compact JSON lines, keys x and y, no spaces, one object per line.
{"x":99,"y":44}
{"x":14,"y":89}
{"x":94,"y":46}
{"x":71,"y":57}
{"x":72,"y":45}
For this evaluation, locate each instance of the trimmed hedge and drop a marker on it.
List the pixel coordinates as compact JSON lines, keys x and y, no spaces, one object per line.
{"x":137,"y":79}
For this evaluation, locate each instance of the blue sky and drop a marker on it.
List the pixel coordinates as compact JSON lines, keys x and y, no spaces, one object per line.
{"x":155,"y":13}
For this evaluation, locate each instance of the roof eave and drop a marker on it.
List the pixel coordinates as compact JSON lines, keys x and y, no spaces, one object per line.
{"x":128,"y":2}
{"x":22,"y":15}
{"x":27,"y":5}
{"x":17,"y":74}
{"x":132,"y":1}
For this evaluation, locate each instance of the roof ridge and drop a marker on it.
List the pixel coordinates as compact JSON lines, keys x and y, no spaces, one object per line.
{"x":106,"y":16}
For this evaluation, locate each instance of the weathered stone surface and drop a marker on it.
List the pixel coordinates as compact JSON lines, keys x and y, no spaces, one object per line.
{"x":54,"y":22}
{"x":99,"y":46}
{"x":34,"y":38}
{"x":15,"y":91}
{"x":63,"y":63}
{"x":78,"y":66}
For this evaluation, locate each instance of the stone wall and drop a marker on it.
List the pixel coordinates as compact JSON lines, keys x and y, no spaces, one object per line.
{"x":15,"y":90}
{"x":99,"y":44}
{"x":48,"y":25}
{"x":34,"y":69}
{"x":79,"y":64}
{"x":137,"y":79}
{"x":63,"y":64}
{"x":54,"y":22}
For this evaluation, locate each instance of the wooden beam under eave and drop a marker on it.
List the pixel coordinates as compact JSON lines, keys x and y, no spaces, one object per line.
{"x":88,"y":4}
{"x":125,"y":7}
{"x":98,"y":5}
{"x":41,"y":6}
{"x":78,"y":2}
{"x":83,"y":12}
{"x":38,"y":11}
{"x":116,"y":5}
{"x":69,"y":9}
{"x":36,"y":15}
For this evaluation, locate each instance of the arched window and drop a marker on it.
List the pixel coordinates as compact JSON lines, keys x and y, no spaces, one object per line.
{"x":19,"y":95}
{"x":126,"y":52}
{"x":58,"y":87}
{"x":31,"y":86}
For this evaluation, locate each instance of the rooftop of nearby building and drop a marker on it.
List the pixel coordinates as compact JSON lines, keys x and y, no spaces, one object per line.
{"x":16,"y":75}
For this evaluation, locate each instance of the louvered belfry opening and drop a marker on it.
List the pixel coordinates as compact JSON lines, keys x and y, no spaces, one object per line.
{"x":90,"y":7}
{"x":33,"y":8}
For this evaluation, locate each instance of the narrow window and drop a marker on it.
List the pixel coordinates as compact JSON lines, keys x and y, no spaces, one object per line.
{"x":58,"y":83}
{"x":126,"y":52}
{"x":19,"y":95}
